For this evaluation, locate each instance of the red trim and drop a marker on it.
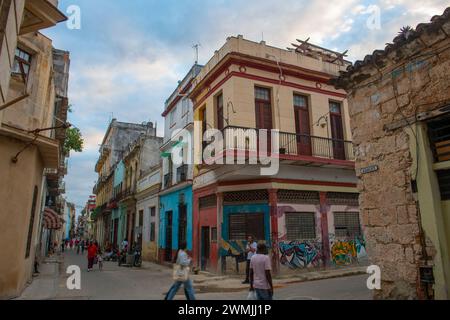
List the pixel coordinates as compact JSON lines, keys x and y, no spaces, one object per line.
{"x":292,"y":181}
{"x":324,"y":227}
{"x":245,"y":60}
{"x":267,"y":80}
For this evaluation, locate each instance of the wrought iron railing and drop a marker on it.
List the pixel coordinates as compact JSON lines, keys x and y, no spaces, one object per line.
{"x":248,"y":139}
{"x":182,"y":173}
{"x":167,"y":180}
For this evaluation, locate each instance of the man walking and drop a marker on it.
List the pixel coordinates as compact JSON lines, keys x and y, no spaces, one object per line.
{"x":250,"y":250}
{"x":260,"y":275}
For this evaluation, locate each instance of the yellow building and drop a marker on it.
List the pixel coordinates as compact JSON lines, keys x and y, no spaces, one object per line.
{"x":27,"y":103}
{"x":307,"y":206}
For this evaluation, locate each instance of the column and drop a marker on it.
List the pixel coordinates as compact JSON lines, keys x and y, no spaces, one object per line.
{"x":324,"y":228}
{"x":219,"y":199}
{"x":273,"y":201}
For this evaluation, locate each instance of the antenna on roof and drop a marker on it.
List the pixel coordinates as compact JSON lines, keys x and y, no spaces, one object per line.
{"x":196,"y":46}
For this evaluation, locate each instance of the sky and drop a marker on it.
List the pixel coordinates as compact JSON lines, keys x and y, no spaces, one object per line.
{"x":128,"y":55}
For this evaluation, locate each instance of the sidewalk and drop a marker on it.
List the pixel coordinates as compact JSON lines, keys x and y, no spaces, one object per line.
{"x":44,"y":285}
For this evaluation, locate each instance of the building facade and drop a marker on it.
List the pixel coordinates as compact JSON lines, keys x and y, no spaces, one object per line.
{"x":399,"y":100}
{"x":27,"y":105}
{"x":118,"y":137}
{"x":177,"y":170}
{"x":307,"y":209}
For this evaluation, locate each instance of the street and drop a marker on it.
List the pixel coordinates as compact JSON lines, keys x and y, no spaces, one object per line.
{"x":153,"y":281}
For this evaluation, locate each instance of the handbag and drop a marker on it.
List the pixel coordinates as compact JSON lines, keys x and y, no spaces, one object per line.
{"x":180,"y":273}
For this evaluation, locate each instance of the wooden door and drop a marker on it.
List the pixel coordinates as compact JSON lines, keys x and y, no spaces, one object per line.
{"x":205,"y":247}
{"x":337,"y":131}
{"x":302,"y":125}
{"x":263,"y":112}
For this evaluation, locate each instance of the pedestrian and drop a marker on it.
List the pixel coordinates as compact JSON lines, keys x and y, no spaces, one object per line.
{"x":182,"y":264}
{"x":250,"y":250}
{"x":92,"y":253}
{"x":260,"y":274}
{"x":62,"y":246}
{"x":100,"y":260}
{"x":82,"y":247}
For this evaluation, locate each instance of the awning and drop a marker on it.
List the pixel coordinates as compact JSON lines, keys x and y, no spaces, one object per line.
{"x":51,"y":221}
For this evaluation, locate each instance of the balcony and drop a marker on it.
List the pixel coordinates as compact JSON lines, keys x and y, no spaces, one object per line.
{"x":182,"y":172}
{"x":292,"y":146}
{"x":40,"y":14}
{"x":167,"y":180}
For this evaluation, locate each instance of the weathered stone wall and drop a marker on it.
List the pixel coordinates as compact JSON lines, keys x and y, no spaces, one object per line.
{"x":403,"y":88}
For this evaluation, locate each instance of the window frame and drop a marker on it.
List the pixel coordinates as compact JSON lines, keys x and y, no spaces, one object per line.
{"x":339,"y":228}
{"x":20,"y":61}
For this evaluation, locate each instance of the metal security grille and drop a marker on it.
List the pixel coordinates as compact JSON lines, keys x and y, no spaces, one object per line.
{"x":252,"y":196}
{"x":241,"y":225}
{"x":346,"y":224}
{"x":208,"y":201}
{"x":444,"y":183}
{"x":295,"y":196}
{"x":341,"y":198}
{"x":300,"y":225}
{"x":439,"y":134}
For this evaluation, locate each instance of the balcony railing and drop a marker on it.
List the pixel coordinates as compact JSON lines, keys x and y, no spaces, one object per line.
{"x":167,"y":180}
{"x":291,"y":144}
{"x":182,"y":173}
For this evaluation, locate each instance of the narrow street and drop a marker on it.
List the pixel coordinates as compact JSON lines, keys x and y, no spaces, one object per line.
{"x":152,"y":282}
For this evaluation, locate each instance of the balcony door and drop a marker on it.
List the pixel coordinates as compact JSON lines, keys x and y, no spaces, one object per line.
{"x":263,"y":112}
{"x":337,"y":130}
{"x":302,"y":125}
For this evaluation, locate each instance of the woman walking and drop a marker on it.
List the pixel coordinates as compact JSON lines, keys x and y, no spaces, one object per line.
{"x":181,"y":275}
{"x":92,"y":253}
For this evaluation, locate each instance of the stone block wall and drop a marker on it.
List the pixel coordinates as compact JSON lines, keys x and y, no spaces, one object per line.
{"x":402,"y":88}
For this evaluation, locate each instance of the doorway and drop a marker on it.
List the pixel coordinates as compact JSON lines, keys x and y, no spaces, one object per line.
{"x":116,"y":228}
{"x":168,"y":249}
{"x":302,"y":126}
{"x":337,"y":130}
{"x":205,"y":247}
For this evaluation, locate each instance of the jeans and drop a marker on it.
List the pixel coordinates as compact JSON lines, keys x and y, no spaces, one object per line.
{"x":263,"y":294}
{"x":247,"y":271}
{"x":188,"y":290}
{"x":91,"y":262}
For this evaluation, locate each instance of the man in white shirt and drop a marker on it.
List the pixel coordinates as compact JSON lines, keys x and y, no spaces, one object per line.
{"x":250,"y":250}
{"x":260,"y":274}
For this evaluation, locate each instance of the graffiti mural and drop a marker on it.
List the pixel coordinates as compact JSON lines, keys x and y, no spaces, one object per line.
{"x":300,"y":254}
{"x":345,"y":252}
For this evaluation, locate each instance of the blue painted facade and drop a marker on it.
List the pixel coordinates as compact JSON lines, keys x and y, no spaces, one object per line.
{"x":120,"y":212}
{"x":170,"y":202}
{"x":239,"y":246}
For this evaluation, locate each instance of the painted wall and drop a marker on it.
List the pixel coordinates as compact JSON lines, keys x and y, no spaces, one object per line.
{"x":149,"y":248}
{"x":308,"y":253}
{"x":16,"y":197}
{"x":169,"y":202}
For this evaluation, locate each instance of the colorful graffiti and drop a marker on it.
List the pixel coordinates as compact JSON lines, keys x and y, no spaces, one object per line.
{"x":297,"y":254}
{"x":345,"y":252}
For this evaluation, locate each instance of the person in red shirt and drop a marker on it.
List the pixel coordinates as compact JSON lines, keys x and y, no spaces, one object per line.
{"x":92,"y":253}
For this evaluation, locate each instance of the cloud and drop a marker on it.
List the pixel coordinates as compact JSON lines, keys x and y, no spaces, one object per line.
{"x":126,"y":59}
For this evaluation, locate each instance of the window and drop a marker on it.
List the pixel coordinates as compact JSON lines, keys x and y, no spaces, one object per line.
{"x":22,"y":63}
{"x":152,"y":232}
{"x":346,"y":224}
{"x":263,"y":108}
{"x":219,"y":106}
{"x":439,"y":134}
{"x":152,"y":211}
{"x":141,"y":217}
{"x":31,"y":225}
{"x":172,"y":116}
{"x":335,"y":107}
{"x":214,"y":234}
{"x":208,"y":202}
{"x":300,"y":225}
{"x":444,"y":184}
{"x":241,"y":225}
{"x":184,"y":106}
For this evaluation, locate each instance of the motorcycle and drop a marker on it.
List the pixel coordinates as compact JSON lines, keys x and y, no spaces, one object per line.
{"x":137,"y":258}
{"x":122,"y":258}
